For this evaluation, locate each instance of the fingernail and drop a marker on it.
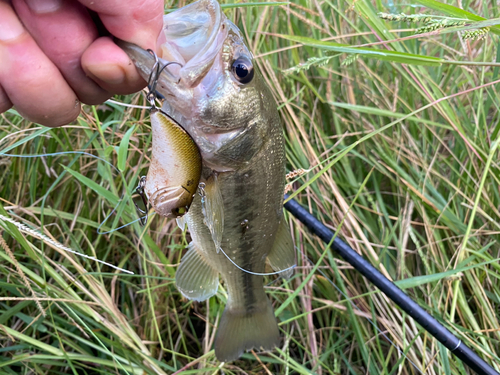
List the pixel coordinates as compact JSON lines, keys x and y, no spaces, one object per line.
{"x":111,"y":74}
{"x":44,"y":6}
{"x":11,"y":27}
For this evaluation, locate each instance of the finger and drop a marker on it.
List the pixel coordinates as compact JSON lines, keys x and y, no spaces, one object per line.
{"x":134,"y":21}
{"x":63,"y":30}
{"x":108,"y":65}
{"x":5,"y":103}
{"x":31,"y":81}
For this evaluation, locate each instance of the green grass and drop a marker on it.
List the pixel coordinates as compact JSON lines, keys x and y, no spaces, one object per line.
{"x":401,"y":149}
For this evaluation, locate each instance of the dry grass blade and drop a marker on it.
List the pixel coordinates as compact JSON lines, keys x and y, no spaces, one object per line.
{"x":417,"y":192}
{"x":21,"y":274}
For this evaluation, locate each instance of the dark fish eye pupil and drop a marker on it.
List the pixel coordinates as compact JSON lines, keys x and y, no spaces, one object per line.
{"x":243,"y":70}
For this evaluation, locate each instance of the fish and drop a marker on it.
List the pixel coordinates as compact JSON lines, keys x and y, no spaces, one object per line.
{"x":175,"y":169}
{"x":236,"y":221}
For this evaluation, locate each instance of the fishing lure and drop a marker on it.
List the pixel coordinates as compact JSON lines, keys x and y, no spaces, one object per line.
{"x":175,"y":169}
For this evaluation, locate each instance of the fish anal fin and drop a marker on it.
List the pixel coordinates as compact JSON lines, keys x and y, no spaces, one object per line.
{"x":243,"y":330}
{"x":282,"y":255}
{"x":195,"y":278}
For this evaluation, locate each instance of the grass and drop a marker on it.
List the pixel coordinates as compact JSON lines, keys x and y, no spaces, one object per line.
{"x":398,"y":135}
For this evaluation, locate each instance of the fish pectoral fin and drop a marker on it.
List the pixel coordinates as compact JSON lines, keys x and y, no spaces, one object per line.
{"x":282,"y":254}
{"x":181,"y":222}
{"x":212,"y":207}
{"x":195,"y":278}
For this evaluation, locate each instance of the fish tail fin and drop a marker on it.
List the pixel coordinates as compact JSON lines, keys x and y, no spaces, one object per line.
{"x":241,"y":330}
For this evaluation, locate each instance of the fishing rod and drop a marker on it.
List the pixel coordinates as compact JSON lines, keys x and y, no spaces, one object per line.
{"x":400,"y":298}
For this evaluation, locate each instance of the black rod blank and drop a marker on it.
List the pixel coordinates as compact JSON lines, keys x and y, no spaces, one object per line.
{"x":400,"y":298}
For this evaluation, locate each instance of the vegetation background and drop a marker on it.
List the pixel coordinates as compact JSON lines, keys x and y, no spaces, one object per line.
{"x":398,"y":140}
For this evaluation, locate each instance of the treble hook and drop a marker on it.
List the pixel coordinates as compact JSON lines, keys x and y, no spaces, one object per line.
{"x":140,"y":190}
{"x":154,"y":76}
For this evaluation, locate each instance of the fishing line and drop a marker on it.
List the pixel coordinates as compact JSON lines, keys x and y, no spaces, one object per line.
{"x":59,"y":153}
{"x":255,"y":273}
{"x":24,"y":228}
{"x":216,"y":240}
{"x":47,"y":239}
{"x":123,"y":226}
{"x":94,"y":156}
{"x":127,"y":105}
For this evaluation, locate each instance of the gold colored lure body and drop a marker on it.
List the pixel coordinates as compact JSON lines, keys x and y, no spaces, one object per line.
{"x":175,"y":168}
{"x":236,"y":221}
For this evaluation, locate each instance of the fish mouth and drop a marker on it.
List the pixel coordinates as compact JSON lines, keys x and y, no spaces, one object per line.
{"x":200,"y":38}
{"x":193,"y":36}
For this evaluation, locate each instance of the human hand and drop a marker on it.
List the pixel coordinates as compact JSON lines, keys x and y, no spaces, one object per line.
{"x":53,"y":54}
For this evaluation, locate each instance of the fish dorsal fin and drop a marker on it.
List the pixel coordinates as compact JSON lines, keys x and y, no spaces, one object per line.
{"x":282,"y":254}
{"x":213,"y":209}
{"x":195,"y":278}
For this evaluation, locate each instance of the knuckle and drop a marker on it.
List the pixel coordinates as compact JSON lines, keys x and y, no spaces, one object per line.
{"x":54,"y":117}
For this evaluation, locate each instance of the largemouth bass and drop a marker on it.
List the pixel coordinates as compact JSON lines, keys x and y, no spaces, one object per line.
{"x":219,"y":97}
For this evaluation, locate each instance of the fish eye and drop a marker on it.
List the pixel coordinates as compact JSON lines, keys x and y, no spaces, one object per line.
{"x":243,"y":69}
